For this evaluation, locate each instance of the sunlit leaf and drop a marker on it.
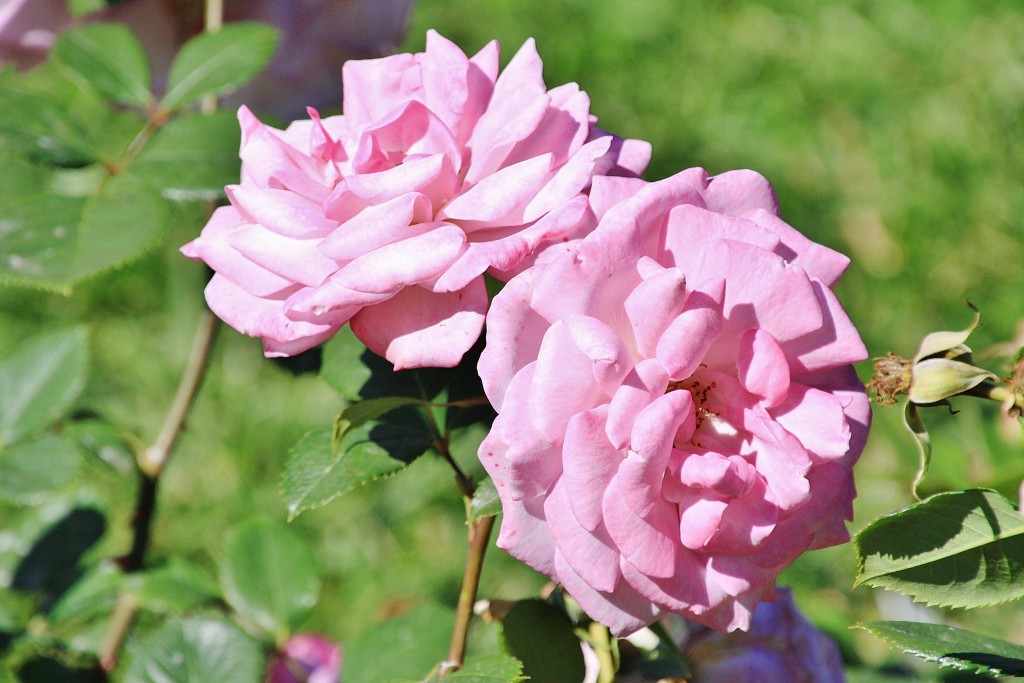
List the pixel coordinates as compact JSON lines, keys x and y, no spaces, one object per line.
{"x":40,"y":380}
{"x":316,"y":473}
{"x":490,"y":669}
{"x":415,"y":643}
{"x":32,"y":469}
{"x":195,"y":650}
{"x":107,"y":57}
{"x":952,"y":648}
{"x":91,"y":596}
{"x":959,"y":549}
{"x":267,"y":573}
{"x":486,"y":502}
{"x":218,"y":63}
{"x":541,"y":636}
{"x":192,"y":157}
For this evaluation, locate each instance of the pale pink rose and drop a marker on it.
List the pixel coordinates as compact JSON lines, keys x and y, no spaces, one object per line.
{"x":306,"y":658}
{"x":316,"y":37}
{"x":387,"y":216}
{"x":677,"y":413}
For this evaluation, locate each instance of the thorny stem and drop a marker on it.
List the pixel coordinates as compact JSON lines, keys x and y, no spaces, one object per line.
{"x":479,"y":535}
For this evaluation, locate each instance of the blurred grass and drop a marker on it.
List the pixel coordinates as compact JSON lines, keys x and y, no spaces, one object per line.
{"x":891,"y":131}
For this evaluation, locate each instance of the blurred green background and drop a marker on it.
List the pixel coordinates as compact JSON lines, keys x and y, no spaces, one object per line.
{"x":891,"y":131}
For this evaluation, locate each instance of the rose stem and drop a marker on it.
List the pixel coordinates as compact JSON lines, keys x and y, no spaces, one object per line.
{"x":479,"y":535}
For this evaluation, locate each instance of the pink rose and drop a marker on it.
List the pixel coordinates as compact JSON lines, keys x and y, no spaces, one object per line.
{"x":306,"y":658}
{"x":316,"y":37}
{"x":677,"y":413}
{"x":387,"y":216}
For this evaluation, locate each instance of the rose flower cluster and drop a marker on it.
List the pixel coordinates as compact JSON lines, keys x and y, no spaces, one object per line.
{"x":678,"y":416}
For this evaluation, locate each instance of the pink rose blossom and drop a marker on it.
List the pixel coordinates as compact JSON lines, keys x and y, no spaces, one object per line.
{"x":677,"y":413}
{"x":387,"y":216}
{"x":306,"y":658}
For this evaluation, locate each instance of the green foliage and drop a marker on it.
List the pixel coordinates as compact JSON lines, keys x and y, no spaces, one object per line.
{"x":191,"y":158}
{"x":218,"y":63}
{"x":31,"y":469}
{"x":959,"y":549}
{"x":414,"y":643}
{"x":176,"y":588}
{"x":269,"y":576}
{"x":491,"y":669}
{"x":109,"y":58}
{"x":40,"y":381}
{"x":317,"y":472}
{"x":952,"y":648}
{"x":486,"y":502}
{"x":197,"y":649}
{"x":541,"y":636}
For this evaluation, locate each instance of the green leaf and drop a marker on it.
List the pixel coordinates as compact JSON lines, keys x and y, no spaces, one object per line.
{"x":316,"y":473}
{"x":959,"y":549}
{"x":40,"y":381}
{"x":53,"y":241}
{"x":94,"y":595}
{"x":414,"y":642}
{"x":541,"y":636}
{"x":342,"y":366}
{"x":175,"y":588}
{"x":192,"y":157}
{"x":952,"y":648}
{"x":117,"y":226}
{"x":82,"y":7}
{"x":40,"y":126}
{"x":29,"y":470}
{"x":267,"y":573}
{"x":490,"y":669}
{"x":218,"y":63}
{"x":196,"y":650}
{"x":361,"y":412}
{"x":486,"y":502}
{"x":107,"y":57}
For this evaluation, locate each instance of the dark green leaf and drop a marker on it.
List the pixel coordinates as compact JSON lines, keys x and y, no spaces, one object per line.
{"x":107,"y":57}
{"x":29,"y":470}
{"x":218,"y":63}
{"x":268,"y":575}
{"x":362,"y":412}
{"x":486,"y":502}
{"x":952,"y":648}
{"x":315,"y":473}
{"x":541,"y":636}
{"x":414,"y":643}
{"x":192,"y":157}
{"x":50,"y":567}
{"x":959,"y":549}
{"x":195,"y":650}
{"x":40,"y":381}
{"x":175,"y":588}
